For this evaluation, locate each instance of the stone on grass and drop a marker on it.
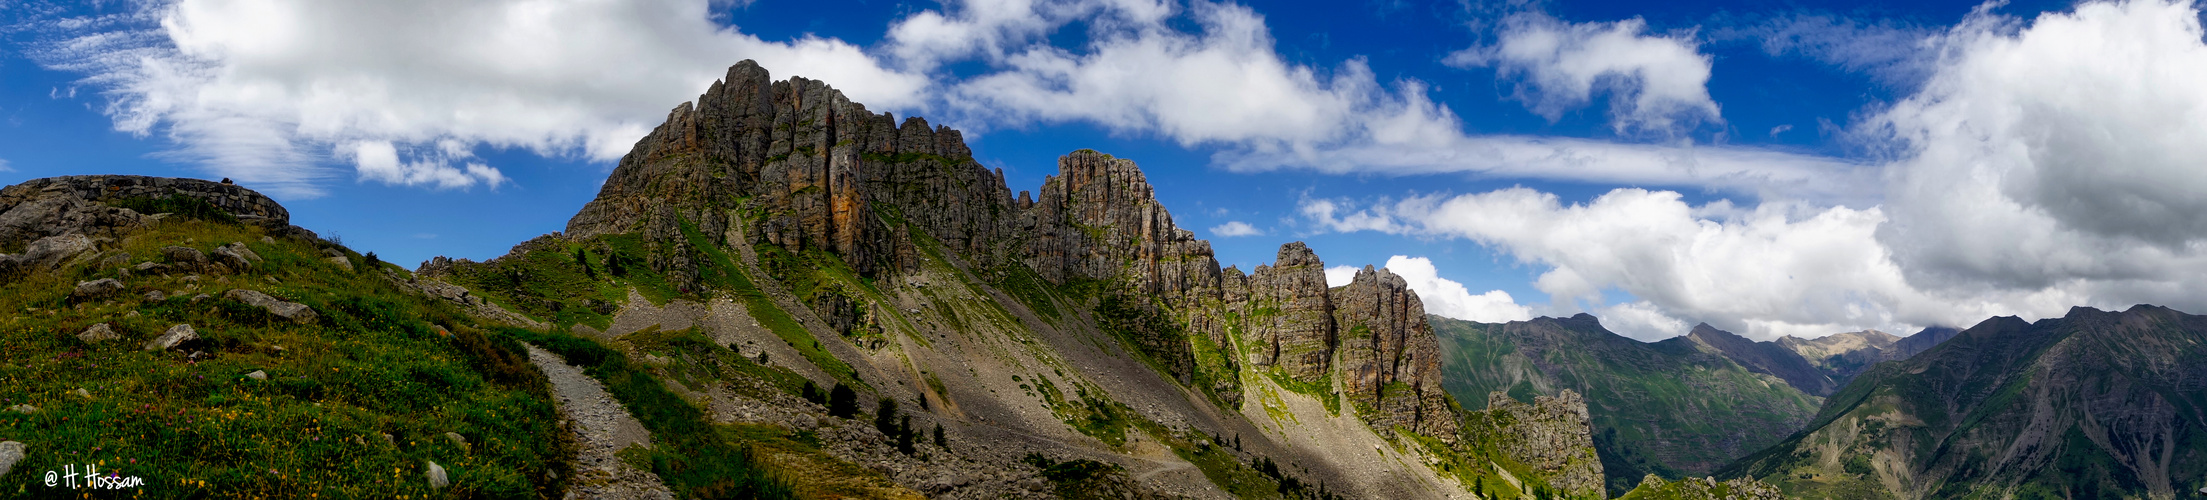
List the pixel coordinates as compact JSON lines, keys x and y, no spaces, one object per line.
{"x":341,"y":262}
{"x":11,"y":452}
{"x":257,"y":375}
{"x":296,"y":312}
{"x":185,"y":257}
{"x":80,"y":392}
{"x":436,"y":477}
{"x":96,"y":289}
{"x":97,"y":333}
{"x":25,"y":409}
{"x":176,"y":335}
{"x":457,"y":440}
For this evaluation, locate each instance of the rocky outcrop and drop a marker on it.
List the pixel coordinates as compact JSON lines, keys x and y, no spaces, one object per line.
{"x":1552,"y":436}
{"x":795,"y":165}
{"x":1289,"y":315}
{"x":291,"y":311}
{"x":1705,"y":488}
{"x":1390,"y":360}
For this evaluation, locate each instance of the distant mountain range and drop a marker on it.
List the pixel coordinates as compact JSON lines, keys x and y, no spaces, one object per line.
{"x":2094,"y":404}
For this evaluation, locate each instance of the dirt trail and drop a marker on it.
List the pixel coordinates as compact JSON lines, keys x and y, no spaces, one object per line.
{"x":601,"y":428}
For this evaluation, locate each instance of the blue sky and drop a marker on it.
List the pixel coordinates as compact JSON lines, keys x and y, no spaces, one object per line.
{"x":1801,"y":168}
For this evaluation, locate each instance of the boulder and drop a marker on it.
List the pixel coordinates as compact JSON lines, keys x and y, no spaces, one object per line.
{"x":436,"y":477}
{"x":257,"y":375}
{"x":96,"y":289}
{"x":340,"y":262}
{"x":156,"y":296}
{"x":457,"y":440}
{"x":11,"y":453}
{"x":25,"y":409}
{"x":52,"y":251}
{"x":176,"y":335}
{"x":98,"y":333}
{"x":235,"y":257}
{"x":80,"y":392}
{"x":185,"y":258}
{"x":296,"y":312}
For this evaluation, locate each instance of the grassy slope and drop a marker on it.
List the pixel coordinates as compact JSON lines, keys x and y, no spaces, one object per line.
{"x":1637,"y":397}
{"x":374,"y":364}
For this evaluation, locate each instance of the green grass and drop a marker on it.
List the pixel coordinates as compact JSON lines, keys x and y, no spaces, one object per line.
{"x":372,"y":365}
{"x":723,"y":271}
{"x":693,"y":458}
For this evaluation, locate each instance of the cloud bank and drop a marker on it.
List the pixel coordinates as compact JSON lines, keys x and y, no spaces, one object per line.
{"x":2044,"y":164}
{"x":267,"y":92}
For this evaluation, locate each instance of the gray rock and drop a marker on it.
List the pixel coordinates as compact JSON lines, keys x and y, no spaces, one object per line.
{"x":200,"y":297}
{"x":268,"y":240}
{"x":156,"y":296}
{"x":257,"y":375}
{"x":51,"y":251}
{"x":132,"y":314}
{"x":341,"y":262}
{"x":436,"y":476}
{"x":235,"y":257}
{"x":80,"y":392}
{"x":11,"y":453}
{"x":98,"y":333}
{"x":151,"y":266}
{"x":96,"y":289}
{"x":25,"y":409}
{"x":185,"y":258}
{"x":296,"y":312}
{"x":176,"y":335}
{"x":456,"y":439}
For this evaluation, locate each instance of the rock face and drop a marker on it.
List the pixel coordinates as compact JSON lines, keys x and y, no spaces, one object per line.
{"x":54,"y":218}
{"x":1550,"y":435}
{"x":1389,"y":358}
{"x":1290,"y":315}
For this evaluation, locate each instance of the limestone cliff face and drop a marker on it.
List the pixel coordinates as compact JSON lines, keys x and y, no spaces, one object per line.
{"x":797,"y":165}
{"x":1390,"y":360}
{"x":1290,"y":313}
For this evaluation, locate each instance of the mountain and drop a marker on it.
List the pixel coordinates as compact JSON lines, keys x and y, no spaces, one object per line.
{"x":776,"y":294}
{"x":1930,"y":337}
{"x":2095,"y":404}
{"x":1842,"y":356}
{"x":1770,"y":358}
{"x":1674,"y":407}
{"x":1071,"y":324}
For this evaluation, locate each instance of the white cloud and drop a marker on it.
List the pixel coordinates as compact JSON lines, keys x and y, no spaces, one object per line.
{"x":1234,"y":229}
{"x":1341,"y":275}
{"x":1893,"y":53}
{"x":1225,"y":85}
{"x":1449,"y":298}
{"x":2062,"y":155}
{"x":259,"y":91}
{"x":4,"y":165}
{"x":379,"y":161}
{"x":1641,"y":321}
{"x":1656,"y":83}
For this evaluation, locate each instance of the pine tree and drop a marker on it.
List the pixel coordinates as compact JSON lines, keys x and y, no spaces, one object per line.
{"x":885,"y":417}
{"x":842,"y":401}
{"x":939,"y":441}
{"x":905,"y":435}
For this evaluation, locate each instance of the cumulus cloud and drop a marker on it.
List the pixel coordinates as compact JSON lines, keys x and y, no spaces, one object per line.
{"x":1772,"y":270}
{"x":269,"y":92}
{"x":1449,"y":298}
{"x":2064,"y":154}
{"x":1223,"y":84}
{"x":379,"y":161}
{"x":2043,"y":164}
{"x":1228,"y":230}
{"x":4,"y":165}
{"x":1656,"y":82}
